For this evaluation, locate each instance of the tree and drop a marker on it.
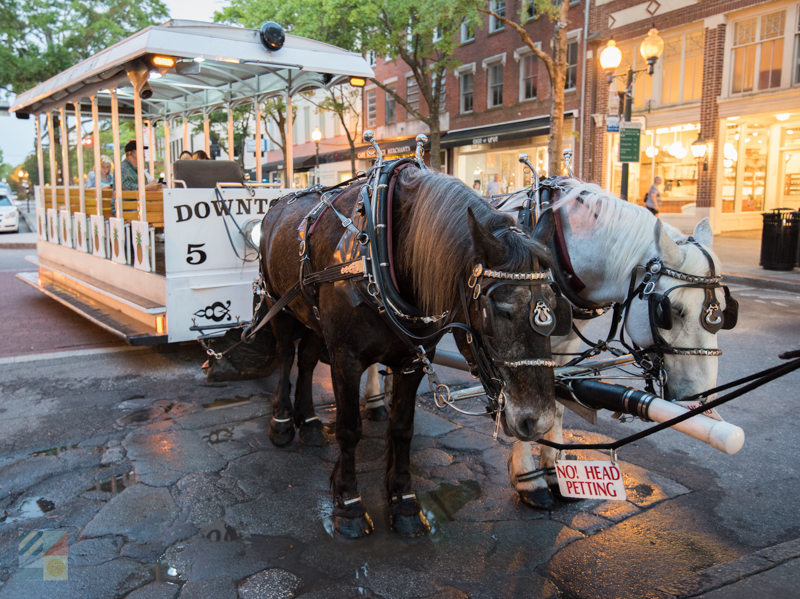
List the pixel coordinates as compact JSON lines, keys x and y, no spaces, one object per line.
{"x":424,"y":35}
{"x":41,"y":38}
{"x":343,"y":102}
{"x":274,"y":109}
{"x":556,"y":65}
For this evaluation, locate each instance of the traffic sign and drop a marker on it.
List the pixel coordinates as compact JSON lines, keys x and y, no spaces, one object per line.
{"x":612,"y":123}
{"x":629,"y":141}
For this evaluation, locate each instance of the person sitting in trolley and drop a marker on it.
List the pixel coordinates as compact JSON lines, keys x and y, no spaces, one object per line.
{"x":200,"y":155}
{"x":130,"y":172}
{"x":106,"y":176}
{"x":185,"y":155}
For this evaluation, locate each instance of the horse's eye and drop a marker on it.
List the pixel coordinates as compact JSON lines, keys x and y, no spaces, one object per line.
{"x":679,"y":311}
{"x":504,"y":310}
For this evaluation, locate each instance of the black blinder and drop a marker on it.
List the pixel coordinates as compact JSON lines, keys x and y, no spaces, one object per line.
{"x":730,"y":314}
{"x":712,"y":317}
{"x":487,"y":316}
{"x":563,"y":317}
{"x":661,"y":311}
{"x":541,"y":318}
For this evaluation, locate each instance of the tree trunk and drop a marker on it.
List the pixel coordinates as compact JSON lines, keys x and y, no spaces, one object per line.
{"x":558,"y":79}
{"x":352,"y":156}
{"x":436,"y":144}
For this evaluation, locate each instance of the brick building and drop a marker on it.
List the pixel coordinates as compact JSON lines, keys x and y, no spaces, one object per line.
{"x":495,"y":106}
{"x":729,"y":73}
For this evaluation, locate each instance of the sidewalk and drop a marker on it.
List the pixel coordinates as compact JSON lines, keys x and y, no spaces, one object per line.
{"x":739,"y":254}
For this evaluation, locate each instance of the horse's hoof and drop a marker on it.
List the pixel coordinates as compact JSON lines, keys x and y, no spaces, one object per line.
{"x":313,"y":434}
{"x":541,"y":499}
{"x":353,"y":528}
{"x":557,"y":494}
{"x":415,"y":525}
{"x":281,"y":433}
{"x":377,"y":413}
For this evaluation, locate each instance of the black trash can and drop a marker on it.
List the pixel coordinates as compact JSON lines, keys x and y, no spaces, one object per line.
{"x":780,"y":239}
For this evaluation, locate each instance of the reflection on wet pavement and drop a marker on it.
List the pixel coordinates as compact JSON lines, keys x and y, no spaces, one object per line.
{"x":226,"y":403}
{"x":114,"y":484}
{"x":35,"y":508}
{"x":54,"y":451}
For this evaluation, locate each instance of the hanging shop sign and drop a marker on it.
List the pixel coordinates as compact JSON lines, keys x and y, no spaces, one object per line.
{"x":630,"y":135}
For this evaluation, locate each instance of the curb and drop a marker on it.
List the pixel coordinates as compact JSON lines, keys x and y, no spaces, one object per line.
{"x":762,"y":282}
{"x":17,"y":246}
{"x":726,"y":574}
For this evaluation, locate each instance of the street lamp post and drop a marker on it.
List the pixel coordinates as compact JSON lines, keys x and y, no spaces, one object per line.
{"x":610,"y":59}
{"x":316,"y":136}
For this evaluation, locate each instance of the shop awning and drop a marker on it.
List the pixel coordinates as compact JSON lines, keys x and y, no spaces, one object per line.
{"x":497,"y":133}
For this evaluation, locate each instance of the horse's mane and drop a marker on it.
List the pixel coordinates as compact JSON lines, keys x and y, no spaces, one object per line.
{"x":634,"y":242}
{"x":438,"y":248}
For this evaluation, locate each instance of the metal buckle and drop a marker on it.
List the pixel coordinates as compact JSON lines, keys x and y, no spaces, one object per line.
{"x":649,"y":288}
{"x":302,"y":247}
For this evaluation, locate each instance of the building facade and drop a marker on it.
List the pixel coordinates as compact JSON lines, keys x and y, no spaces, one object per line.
{"x":729,"y":75}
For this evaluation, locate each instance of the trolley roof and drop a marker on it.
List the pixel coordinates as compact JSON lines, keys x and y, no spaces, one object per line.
{"x":235,"y":68}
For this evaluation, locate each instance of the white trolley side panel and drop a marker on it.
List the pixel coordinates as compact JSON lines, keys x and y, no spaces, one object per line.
{"x":206,"y":281}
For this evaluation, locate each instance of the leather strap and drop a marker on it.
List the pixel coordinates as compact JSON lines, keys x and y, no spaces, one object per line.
{"x":573,"y":280}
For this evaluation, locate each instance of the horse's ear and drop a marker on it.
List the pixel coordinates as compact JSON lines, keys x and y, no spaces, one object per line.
{"x":666,"y":248}
{"x":487,"y":247}
{"x":703,"y":233}
{"x":545,"y":227}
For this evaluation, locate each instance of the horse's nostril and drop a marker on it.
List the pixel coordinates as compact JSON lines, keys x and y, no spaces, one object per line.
{"x":526,"y":427}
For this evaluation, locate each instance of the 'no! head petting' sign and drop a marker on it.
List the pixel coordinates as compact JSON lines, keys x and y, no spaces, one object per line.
{"x":590,"y":480}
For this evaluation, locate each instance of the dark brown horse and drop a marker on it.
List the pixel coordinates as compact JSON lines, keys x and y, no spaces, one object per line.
{"x":441,"y":231}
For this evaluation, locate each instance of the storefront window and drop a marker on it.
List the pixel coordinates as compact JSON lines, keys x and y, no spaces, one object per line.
{"x":479,"y":167}
{"x":790,"y":160}
{"x":666,"y":152}
{"x":744,"y":163}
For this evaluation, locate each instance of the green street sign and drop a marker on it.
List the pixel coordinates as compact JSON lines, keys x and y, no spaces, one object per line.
{"x":629,"y":142}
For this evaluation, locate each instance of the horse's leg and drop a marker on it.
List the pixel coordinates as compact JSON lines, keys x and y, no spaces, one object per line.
{"x":312,"y":432}
{"x":547,"y":457}
{"x":528,"y":481}
{"x":405,"y":513}
{"x":281,"y":427}
{"x":374,"y":410}
{"x":350,"y":518}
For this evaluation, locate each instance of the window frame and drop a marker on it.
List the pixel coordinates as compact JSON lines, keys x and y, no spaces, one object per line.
{"x":492,"y":86}
{"x":682,"y":63}
{"x":577,"y":42}
{"x":411,"y":82}
{"x":520,"y":55}
{"x":466,"y":26}
{"x":494,"y":24}
{"x":371,"y":112}
{"x":463,"y":93}
{"x":389,"y":100}
{"x":757,"y":43}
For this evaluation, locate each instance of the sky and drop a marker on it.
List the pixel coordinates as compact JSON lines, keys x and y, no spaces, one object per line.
{"x":18,"y":137}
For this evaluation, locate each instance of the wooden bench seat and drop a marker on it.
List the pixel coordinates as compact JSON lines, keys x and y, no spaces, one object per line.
{"x":154,"y":201}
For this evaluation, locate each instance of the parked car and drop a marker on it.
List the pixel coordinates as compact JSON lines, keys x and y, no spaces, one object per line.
{"x":9,"y":215}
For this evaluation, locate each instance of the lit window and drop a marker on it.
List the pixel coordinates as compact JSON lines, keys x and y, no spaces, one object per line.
{"x":682,"y":68}
{"x":757,"y":52}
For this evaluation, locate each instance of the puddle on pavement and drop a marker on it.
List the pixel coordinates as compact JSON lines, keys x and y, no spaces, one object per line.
{"x":54,"y":451}
{"x":441,"y":505}
{"x":35,"y":508}
{"x":219,"y":530}
{"x":244,"y":432}
{"x":114,"y":484}
{"x":228,"y":402}
{"x":145,"y":415}
{"x":161,"y":571}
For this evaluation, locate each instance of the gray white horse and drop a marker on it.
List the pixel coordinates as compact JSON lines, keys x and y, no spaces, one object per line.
{"x":606,"y":239}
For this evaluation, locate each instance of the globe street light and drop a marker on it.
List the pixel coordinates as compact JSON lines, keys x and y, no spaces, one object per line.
{"x":316,"y":136}
{"x":610,"y":59}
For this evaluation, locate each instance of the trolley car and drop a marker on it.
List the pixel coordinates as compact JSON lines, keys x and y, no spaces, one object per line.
{"x":150,"y":266}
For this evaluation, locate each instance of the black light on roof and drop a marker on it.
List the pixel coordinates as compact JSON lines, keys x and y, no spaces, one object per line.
{"x":272,"y":36}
